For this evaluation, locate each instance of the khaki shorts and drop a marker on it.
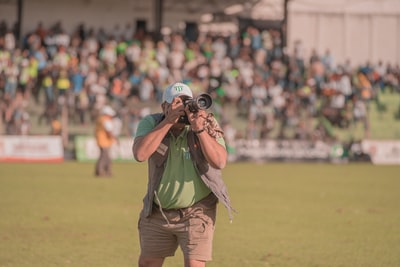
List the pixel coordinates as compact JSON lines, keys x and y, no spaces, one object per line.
{"x":190,"y":228}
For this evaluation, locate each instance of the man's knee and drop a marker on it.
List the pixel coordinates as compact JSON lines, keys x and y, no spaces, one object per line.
{"x":150,"y":262}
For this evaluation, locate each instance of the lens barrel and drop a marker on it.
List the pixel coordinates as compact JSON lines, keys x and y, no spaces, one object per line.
{"x":201,"y":102}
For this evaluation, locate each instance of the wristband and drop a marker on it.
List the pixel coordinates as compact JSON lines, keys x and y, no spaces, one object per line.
{"x":199,"y":131}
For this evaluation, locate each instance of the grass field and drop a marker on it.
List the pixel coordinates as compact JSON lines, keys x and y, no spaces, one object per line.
{"x":305,"y":215}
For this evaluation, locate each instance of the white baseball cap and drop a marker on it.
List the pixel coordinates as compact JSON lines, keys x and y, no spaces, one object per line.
{"x":174,"y":90}
{"x":107,"y":110}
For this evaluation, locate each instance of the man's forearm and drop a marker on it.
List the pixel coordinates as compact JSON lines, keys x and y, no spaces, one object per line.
{"x":215,"y":153}
{"x":145,"y":146}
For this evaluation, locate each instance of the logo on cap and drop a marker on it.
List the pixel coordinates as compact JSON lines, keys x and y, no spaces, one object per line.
{"x":178,"y":88}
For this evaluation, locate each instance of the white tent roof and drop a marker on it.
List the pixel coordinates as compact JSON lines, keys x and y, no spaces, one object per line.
{"x":346,"y":6}
{"x":273,"y":9}
{"x":268,"y":9}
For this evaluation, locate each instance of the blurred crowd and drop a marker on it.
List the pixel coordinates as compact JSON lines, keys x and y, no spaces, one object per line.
{"x":277,"y":93}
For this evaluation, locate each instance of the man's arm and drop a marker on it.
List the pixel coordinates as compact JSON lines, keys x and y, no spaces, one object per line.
{"x":145,"y":146}
{"x":108,"y":127}
{"x":215,"y":153}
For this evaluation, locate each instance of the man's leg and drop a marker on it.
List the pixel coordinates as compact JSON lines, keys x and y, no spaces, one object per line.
{"x":99,"y":171}
{"x":194,"y":263}
{"x":150,"y":262}
{"x":107,"y":162}
{"x":156,"y":238}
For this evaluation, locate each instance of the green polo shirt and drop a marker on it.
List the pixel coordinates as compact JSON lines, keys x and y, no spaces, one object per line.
{"x":180,"y":185}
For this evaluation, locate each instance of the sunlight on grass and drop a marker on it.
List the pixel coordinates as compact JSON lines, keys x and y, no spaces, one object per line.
{"x":288,"y":215}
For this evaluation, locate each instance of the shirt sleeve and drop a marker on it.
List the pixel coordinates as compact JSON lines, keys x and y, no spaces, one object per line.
{"x":145,"y":125}
{"x":108,"y":125}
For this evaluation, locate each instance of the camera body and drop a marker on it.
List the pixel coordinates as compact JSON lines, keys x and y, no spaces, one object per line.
{"x":200,"y":102}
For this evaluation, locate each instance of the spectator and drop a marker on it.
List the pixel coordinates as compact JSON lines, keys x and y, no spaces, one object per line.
{"x":11,"y":79}
{"x":105,"y":138}
{"x":50,"y":44}
{"x":360,"y":114}
{"x":328,"y":61}
{"x":55,"y":127}
{"x":9,"y":41}
{"x":63,"y":84}
{"x":333,"y":107}
{"x":260,"y":111}
{"x":24,"y":79}
{"x":48,"y":85}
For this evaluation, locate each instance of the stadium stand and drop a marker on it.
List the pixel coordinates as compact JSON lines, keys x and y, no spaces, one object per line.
{"x":58,"y":81}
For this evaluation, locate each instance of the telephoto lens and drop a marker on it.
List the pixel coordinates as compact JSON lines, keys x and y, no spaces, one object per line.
{"x":202,"y":101}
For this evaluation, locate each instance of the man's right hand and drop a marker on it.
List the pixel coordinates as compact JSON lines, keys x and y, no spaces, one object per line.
{"x":174,"y":110}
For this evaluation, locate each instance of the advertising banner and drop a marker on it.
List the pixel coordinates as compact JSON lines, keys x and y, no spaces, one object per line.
{"x":31,"y":149}
{"x":86,"y":149}
{"x":382,"y":152}
{"x":282,"y":150}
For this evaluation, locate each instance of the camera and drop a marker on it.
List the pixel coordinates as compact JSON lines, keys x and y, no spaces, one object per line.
{"x":200,"y":102}
{"x":203,"y":101}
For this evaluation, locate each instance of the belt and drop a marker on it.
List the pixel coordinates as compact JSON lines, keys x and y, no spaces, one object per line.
{"x":207,"y":202}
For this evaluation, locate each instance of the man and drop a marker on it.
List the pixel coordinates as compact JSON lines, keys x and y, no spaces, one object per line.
{"x":186,"y":151}
{"x":105,"y":139}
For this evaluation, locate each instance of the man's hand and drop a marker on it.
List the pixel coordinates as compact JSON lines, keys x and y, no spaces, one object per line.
{"x":174,"y":111}
{"x":196,"y":119}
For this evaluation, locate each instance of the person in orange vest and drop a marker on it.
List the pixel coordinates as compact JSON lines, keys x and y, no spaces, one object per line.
{"x":105,"y":139}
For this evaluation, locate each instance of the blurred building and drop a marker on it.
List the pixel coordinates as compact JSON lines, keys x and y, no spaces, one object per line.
{"x":351,"y":29}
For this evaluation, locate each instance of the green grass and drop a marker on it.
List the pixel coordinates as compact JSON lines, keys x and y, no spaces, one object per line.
{"x":383,"y":123}
{"x":289,"y":215}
